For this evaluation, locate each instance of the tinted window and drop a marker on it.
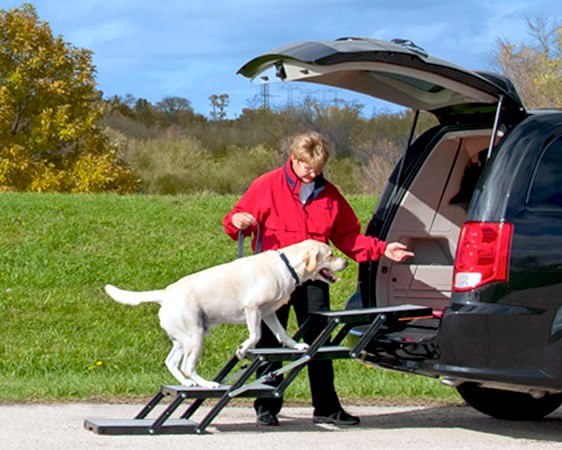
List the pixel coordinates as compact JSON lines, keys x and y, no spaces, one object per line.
{"x":546,"y":190}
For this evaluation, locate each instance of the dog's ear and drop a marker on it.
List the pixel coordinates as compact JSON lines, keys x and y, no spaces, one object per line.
{"x":311,"y":259}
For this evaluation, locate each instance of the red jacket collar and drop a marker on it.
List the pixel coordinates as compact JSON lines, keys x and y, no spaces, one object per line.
{"x":295,"y":183}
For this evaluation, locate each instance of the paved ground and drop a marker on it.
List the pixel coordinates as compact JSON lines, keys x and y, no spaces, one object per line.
{"x":61,"y":427}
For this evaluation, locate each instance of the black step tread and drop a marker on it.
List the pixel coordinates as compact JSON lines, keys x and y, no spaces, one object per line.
{"x":201,"y":392}
{"x":138,"y":426}
{"x":288,"y":354}
{"x":362,"y":315}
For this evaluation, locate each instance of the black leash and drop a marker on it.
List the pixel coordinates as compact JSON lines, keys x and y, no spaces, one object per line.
{"x":241,"y":237}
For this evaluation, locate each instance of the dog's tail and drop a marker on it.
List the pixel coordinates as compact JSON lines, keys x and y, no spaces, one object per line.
{"x":133,"y":298}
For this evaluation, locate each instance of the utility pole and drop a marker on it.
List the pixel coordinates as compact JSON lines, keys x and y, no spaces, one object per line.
{"x":265,"y":93}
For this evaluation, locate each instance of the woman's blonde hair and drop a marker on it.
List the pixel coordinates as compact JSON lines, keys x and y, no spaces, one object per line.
{"x":310,"y":147}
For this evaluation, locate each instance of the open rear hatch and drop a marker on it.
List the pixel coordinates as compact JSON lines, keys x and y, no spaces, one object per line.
{"x":397,"y":71}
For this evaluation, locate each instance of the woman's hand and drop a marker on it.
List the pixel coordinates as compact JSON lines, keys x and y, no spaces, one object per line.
{"x":243,"y":220}
{"x":396,"y":251}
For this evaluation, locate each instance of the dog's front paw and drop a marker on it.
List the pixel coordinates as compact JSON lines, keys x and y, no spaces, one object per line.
{"x":240,"y":353}
{"x":301,"y":346}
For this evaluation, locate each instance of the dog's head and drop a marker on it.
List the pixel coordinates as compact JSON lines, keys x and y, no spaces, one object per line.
{"x":314,"y":260}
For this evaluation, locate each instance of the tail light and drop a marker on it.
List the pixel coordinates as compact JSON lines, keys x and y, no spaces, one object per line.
{"x":482,"y":254}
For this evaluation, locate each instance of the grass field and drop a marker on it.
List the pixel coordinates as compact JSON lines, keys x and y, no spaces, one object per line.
{"x":63,"y":339}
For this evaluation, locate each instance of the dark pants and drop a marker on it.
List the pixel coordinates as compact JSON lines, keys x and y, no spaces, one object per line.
{"x":311,"y":296}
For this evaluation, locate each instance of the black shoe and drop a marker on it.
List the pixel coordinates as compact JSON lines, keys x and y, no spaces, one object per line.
{"x":267,"y":419}
{"x":338,"y":418}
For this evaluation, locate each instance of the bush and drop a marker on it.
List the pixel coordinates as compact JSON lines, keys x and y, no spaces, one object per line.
{"x":184,"y":166}
{"x":168,"y":166}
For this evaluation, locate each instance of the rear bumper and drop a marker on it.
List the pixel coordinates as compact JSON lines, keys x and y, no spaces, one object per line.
{"x":485,"y":344}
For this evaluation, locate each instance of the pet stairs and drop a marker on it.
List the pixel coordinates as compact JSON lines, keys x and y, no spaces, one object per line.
{"x":372,"y":319}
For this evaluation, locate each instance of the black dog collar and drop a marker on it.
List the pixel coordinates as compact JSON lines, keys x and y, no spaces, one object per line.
{"x":291,"y":269}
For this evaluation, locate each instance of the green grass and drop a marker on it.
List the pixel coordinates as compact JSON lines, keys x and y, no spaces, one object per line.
{"x":64,"y":339}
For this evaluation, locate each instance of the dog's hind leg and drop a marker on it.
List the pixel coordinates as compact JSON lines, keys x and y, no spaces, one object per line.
{"x":173,"y":363}
{"x":193,"y":346}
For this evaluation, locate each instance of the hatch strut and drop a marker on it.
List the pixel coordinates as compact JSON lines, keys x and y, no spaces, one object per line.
{"x":410,"y":139}
{"x":401,"y":166}
{"x":495,"y":128}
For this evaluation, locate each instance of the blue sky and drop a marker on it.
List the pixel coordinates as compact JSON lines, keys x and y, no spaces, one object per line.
{"x":193,"y":48}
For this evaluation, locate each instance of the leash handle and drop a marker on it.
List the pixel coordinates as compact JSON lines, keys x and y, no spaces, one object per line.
{"x":241,"y":237}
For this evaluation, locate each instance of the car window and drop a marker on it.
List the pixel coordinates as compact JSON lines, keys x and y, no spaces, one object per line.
{"x":546,"y":188}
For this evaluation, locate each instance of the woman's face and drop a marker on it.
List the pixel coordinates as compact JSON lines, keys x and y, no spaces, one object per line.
{"x":306,"y":172}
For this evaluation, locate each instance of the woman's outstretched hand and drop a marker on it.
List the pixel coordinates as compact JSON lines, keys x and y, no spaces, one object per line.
{"x":396,"y":251}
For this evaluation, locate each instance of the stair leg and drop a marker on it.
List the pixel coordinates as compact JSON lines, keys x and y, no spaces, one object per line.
{"x":342,"y":334}
{"x":368,"y":335}
{"x":150,"y":406}
{"x":223,"y":401}
{"x":153,"y":429}
{"x":218,"y":378}
{"x":299,"y":364}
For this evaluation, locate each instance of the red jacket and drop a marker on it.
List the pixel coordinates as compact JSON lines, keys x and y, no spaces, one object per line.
{"x":273,"y":199}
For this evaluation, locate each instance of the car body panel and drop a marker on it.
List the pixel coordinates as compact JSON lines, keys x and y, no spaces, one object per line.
{"x":515,"y":325}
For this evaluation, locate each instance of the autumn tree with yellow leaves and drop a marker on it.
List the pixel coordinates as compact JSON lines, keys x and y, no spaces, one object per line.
{"x":49,"y":113}
{"x":535,"y":67}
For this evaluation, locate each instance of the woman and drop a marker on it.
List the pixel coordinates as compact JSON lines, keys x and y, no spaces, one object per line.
{"x":290,"y":204}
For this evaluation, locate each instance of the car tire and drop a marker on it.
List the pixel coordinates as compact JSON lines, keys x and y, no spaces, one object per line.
{"x":508,"y":405}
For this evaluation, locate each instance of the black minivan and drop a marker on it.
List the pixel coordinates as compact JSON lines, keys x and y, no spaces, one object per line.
{"x":478,"y":198}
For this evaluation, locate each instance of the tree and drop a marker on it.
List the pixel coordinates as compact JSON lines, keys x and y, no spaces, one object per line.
{"x":176,"y":110}
{"x":535,"y":68}
{"x":219,"y":104}
{"x":49,"y":113}
{"x":145,"y":112}
{"x":339,"y":120}
{"x":122,"y":105}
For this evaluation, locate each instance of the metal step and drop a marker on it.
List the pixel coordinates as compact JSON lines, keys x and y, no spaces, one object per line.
{"x":197,"y":392}
{"x":139,"y":426}
{"x":400,"y":313}
{"x":290,"y":354}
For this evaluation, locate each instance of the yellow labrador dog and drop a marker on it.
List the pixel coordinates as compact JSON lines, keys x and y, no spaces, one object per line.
{"x":246,"y":290}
